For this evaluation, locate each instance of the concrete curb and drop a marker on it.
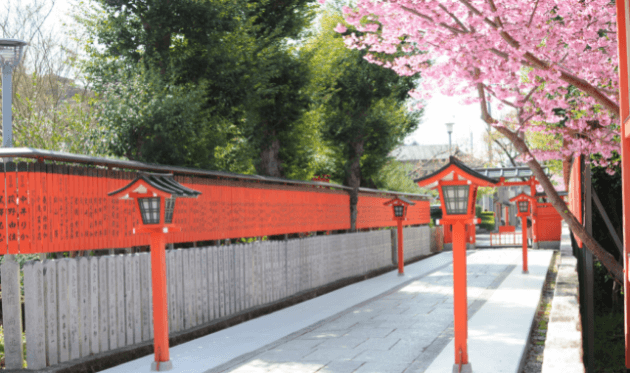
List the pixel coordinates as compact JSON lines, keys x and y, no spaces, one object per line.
{"x":563,"y":346}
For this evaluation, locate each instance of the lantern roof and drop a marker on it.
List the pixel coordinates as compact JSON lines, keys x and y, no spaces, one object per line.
{"x":509,"y":172}
{"x":452,"y":168}
{"x":561,"y":193}
{"x":402,"y":199}
{"x":160,"y":184}
{"x":523,"y":197}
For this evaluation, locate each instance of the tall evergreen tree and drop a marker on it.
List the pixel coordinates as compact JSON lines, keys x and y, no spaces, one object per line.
{"x":362,"y":107}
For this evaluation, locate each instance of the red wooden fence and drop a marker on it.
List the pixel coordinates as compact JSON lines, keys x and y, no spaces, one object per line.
{"x":50,"y":208}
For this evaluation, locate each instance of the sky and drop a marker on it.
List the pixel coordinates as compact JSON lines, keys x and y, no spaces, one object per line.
{"x":439,"y":109}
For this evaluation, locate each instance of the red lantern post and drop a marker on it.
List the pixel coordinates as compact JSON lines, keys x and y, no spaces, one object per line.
{"x":156,"y":194}
{"x":400,"y":206}
{"x":524,"y":203}
{"x":457,"y":185}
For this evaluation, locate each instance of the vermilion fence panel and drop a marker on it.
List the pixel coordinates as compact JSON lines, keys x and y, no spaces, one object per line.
{"x":372,"y":212}
{"x":24,"y":207}
{"x":575,"y":192}
{"x":51,"y":208}
{"x":12,"y":207}
{"x":549,"y":223}
{"x":3,"y":211}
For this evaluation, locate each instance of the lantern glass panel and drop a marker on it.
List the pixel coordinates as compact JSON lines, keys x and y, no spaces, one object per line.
{"x":456,"y":199}
{"x":10,"y":55}
{"x":150,"y":210}
{"x":168,"y":210}
{"x":523,"y":206}
{"x":398,"y":211}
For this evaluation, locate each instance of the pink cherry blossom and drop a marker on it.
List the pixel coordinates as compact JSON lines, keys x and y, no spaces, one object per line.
{"x":524,"y":54}
{"x":340,"y":27}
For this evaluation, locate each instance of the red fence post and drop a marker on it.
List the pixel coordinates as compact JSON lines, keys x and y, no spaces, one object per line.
{"x":401,"y":255}
{"x":524,"y":228}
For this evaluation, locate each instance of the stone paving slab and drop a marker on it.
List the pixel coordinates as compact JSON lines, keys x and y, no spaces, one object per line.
{"x":247,"y":338}
{"x":406,"y":326}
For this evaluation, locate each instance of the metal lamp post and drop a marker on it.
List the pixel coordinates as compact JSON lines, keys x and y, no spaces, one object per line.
{"x":400,"y":206}
{"x":156,"y":195}
{"x":10,"y":56}
{"x":449,"y":129}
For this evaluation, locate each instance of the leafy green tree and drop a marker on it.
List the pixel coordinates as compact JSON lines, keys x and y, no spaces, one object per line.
{"x":252,"y":95}
{"x":362,"y":107}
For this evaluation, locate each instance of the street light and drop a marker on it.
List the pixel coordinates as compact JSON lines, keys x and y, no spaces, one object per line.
{"x":10,"y":56}
{"x":449,"y":129}
{"x":155,"y":195}
{"x":400,"y":205}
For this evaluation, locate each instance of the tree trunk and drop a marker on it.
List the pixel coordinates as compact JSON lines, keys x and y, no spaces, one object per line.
{"x":604,"y":257}
{"x":270,"y":164}
{"x":353,"y":180}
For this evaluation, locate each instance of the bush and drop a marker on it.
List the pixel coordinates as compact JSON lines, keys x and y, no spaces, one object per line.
{"x":487,"y":220}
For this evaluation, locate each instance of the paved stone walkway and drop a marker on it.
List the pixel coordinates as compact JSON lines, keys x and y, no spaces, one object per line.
{"x":403,"y":330}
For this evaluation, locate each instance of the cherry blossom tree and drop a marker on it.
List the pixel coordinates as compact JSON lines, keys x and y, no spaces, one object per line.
{"x":554,"y":62}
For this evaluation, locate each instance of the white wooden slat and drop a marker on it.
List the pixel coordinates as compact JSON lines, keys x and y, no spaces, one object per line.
{"x":193,"y":285}
{"x":62,"y":307}
{"x":257,"y":279}
{"x":120,"y":300}
{"x":112,"y":295}
{"x":12,"y":316}
{"x":137,"y":300}
{"x":291,"y":253}
{"x":275,"y":286}
{"x":237,"y":277}
{"x":263,"y":272}
{"x":216,"y":288}
{"x":145,"y":278}
{"x":280,"y":262}
{"x":73,"y":310}
{"x":107,"y":303}
{"x":232,"y":278}
{"x":247,"y":275}
{"x":84,"y":306}
{"x":203,"y":278}
{"x":285,"y":273}
{"x":187,"y":290}
{"x":34,"y":314}
{"x":266,"y":288}
{"x":242,"y":277}
{"x":179,"y":262}
{"x":171,"y":288}
{"x":95,"y":291}
{"x":128,"y":289}
{"x":226,"y":278}
{"x":50,"y":289}
{"x":221,"y":285}
{"x":150,"y":292}
{"x":212,"y":282}
{"x":198,"y":288}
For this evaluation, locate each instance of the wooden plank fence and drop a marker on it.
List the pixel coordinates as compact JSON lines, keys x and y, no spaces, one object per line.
{"x":83,"y":306}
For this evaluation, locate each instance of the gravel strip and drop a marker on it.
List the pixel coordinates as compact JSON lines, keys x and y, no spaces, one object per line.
{"x":536,"y":345}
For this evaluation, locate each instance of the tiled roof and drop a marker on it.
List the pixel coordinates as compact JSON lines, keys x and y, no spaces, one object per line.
{"x":508,"y":172}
